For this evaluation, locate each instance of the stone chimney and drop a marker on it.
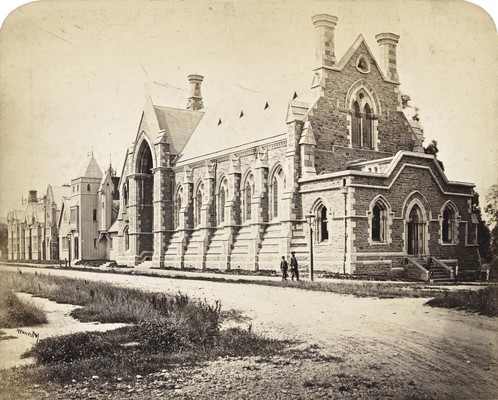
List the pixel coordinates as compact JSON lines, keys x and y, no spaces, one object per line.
{"x":325,"y":49}
{"x":32,"y":197}
{"x":387,"y":43}
{"x":195,"y":100}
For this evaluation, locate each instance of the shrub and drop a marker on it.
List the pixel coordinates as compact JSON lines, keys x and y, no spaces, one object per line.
{"x":15,"y":312}
{"x":68,"y":348}
{"x":236,"y":342}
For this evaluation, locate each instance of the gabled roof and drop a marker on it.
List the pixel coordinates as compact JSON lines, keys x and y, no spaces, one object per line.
{"x":350,"y":52}
{"x":177,"y":125}
{"x":239,"y":121}
{"x":56,"y":193}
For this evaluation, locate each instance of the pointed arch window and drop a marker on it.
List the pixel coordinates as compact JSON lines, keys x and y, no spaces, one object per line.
{"x":356,"y":125}
{"x":322,"y":224}
{"x":177,"y":206}
{"x":367,"y":123}
{"x":275,"y":191}
{"x":94,"y":214}
{"x":379,"y":223}
{"x":198,"y":205}
{"x":221,"y":205}
{"x":449,"y":231}
{"x":247,"y":201}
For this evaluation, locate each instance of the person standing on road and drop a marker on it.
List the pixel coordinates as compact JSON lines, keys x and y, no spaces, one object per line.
{"x":293,"y":266}
{"x":283,"y":267}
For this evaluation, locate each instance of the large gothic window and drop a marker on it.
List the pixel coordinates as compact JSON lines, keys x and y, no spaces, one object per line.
{"x":362,"y":121}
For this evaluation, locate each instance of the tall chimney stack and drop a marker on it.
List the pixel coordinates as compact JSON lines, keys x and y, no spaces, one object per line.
{"x":32,"y":197}
{"x":195,"y":100}
{"x":387,"y":43}
{"x":325,"y":49}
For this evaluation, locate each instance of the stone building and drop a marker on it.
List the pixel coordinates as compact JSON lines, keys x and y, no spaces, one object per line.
{"x":230,"y":186}
{"x":33,"y":229}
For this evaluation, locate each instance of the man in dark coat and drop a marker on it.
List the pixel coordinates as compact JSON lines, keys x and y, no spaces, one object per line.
{"x":284,"y":267}
{"x":293,"y":266}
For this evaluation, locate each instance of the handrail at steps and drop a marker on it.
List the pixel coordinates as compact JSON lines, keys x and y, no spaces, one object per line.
{"x":424,"y":273}
{"x":443,"y":265}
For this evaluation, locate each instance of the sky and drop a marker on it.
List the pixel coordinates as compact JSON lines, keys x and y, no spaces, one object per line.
{"x":71,"y":72}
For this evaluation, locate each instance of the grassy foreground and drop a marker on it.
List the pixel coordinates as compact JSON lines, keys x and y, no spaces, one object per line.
{"x":484,"y":301}
{"x":164,"y":332}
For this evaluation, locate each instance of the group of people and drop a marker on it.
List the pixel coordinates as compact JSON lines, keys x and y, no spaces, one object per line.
{"x":284,"y":267}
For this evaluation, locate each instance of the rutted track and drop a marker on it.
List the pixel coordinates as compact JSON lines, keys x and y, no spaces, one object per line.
{"x":452,"y":354}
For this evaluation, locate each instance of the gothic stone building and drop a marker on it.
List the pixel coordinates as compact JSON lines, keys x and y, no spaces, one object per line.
{"x":32,"y":229}
{"x":229,"y":187}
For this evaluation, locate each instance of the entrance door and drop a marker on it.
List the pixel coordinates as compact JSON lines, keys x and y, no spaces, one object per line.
{"x":415,"y":228}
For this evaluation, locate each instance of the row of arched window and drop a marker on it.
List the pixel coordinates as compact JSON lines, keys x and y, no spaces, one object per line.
{"x":380,"y":221}
{"x":247,"y":191}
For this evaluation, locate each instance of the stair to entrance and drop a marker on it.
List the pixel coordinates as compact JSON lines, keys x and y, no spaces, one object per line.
{"x":430,"y":269}
{"x":171,"y":256}
{"x":299,"y":245}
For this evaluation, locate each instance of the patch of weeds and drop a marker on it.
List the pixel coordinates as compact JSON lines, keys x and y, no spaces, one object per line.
{"x":484,"y":301}
{"x":15,"y":312}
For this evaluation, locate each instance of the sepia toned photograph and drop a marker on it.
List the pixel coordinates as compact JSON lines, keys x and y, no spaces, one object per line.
{"x":248,"y":199}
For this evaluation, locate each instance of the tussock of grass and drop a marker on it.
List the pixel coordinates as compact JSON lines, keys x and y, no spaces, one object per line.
{"x":14,"y":312}
{"x":484,"y":301}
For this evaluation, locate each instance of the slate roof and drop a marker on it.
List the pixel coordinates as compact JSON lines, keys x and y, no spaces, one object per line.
{"x":177,"y":124}
{"x":239,"y":121}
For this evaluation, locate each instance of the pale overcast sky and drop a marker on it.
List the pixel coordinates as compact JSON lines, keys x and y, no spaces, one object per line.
{"x":73,"y":71}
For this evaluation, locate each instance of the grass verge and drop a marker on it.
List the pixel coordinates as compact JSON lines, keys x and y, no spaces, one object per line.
{"x":165,"y":331}
{"x":15,"y":312}
{"x":484,"y":301}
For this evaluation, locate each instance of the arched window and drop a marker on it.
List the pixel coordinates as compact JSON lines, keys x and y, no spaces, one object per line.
{"x":448,"y":225}
{"x":379,"y":223}
{"x":367,"y":127}
{"x":198,"y":205}
{"x":322,"y":229}
{"x":177,"y":206}
{"x":247,"y":193}
{"x":94,"y":214}
{"x":126,"y":238}
{"x":221,"y":204}
{"x":88,"y":187}
{"x":275,"y":191}
{"x":125,"y":194}
{"x":248,"y":201}
{"x":356,"y":125}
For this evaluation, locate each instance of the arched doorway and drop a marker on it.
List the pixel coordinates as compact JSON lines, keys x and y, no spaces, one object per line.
{"x":145,"y":193}
{"x":415,"y":232}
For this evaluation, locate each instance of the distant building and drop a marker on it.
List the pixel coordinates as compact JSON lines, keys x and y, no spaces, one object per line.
{"x":229,"y":186}
{"x":32,"y":229}
{"x":88,"y":213}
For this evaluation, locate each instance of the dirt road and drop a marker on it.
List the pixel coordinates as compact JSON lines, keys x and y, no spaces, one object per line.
{"x":451,"y":354}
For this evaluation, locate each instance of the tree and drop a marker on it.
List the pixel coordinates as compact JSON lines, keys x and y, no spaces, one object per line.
{"x":483,"y":232}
